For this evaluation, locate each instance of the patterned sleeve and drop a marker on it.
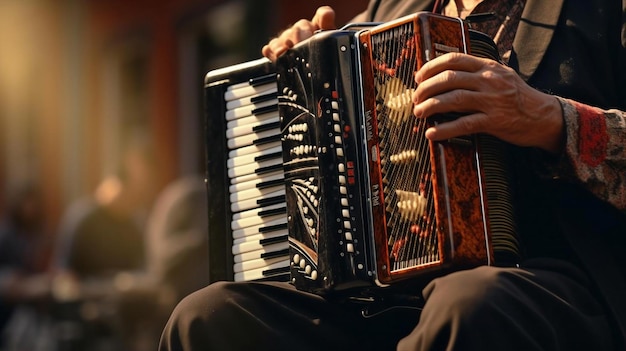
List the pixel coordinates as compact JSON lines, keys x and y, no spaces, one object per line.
{"x":595,"y":151}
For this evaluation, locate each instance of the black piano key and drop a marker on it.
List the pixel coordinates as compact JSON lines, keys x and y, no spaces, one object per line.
{"x":271,"y":201}
{"x":280,"y":275}
{"x":274,"y":240}
{"x":266,"y":126}
{"x":264,"y":97}
{"x":260,"y":80}
{"x":273,"y":254}
{"x":270,"y":183}
{"x":272,"y":212}
{"x":268,"y":139}
{"x":274,"y":271}
{"x":265,"y":109}
{"x":272,"y":228}
{"x":269,"y":156}
{"x":262,"y":170}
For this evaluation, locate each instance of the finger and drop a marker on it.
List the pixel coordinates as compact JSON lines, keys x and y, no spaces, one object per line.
{"x":443,"y":82}
{"x":276,"y":47}
{"x":458,"y":100}
{"x":465,"y":125}
{"x":450,"y":61}
{"x":301,"y":30}
{"x":324,"y":18}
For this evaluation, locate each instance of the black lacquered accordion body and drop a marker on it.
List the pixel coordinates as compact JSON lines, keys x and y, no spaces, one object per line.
{"x":345,"y":194}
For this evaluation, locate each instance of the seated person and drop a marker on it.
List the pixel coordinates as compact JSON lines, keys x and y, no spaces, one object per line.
{"x":560,"y":97}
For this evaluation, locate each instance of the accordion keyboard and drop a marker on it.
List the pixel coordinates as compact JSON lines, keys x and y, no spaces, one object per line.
{"x":256,"y":191}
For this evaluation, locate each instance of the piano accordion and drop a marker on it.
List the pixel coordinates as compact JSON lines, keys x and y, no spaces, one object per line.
{"x":328,"y":179}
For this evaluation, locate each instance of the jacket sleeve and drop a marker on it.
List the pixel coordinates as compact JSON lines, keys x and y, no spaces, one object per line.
{"x":594,"y":153}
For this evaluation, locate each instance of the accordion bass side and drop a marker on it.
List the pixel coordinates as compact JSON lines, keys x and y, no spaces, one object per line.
{"x":326,"y":177}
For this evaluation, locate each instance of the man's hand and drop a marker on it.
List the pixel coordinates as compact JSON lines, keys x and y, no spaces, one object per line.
{"x":324,"y":19}
{"x":493,"y":99}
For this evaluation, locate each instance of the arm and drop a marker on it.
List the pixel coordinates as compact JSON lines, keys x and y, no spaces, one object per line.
{"x":594,"y":152}
{"x":496,"y":101}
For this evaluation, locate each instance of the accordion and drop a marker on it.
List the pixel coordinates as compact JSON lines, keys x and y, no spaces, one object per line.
{"x":331,"y":182}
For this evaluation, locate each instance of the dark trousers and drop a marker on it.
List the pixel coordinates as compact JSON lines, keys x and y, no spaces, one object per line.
{"x":544,"y":305}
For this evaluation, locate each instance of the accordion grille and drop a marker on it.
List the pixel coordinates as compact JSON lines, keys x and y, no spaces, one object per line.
{"x":404,"y":151}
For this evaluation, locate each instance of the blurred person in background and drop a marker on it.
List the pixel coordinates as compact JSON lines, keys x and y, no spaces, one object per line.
{"x":24,"y":281}
{"x":177,"y":236}
{"x":177,"y":251}
{"x":108,"y":235}
{"x":101,"y":253}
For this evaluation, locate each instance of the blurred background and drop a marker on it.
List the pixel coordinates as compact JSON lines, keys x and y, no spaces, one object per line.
{"x":102,"y":159}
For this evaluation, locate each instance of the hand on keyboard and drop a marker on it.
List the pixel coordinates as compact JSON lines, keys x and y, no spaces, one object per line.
{"x":324,"y":19}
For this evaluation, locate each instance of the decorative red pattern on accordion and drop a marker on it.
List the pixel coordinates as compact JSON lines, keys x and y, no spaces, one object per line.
{"x":450,"y":183}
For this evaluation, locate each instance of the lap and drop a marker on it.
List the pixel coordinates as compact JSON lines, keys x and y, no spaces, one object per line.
{"x":545,"y":304}
{"x":277,"y":316}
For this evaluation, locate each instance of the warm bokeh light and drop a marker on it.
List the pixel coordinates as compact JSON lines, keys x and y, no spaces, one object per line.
{"x":80,"y":81}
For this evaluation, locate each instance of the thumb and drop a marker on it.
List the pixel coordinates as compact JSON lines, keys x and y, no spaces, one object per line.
{"x":324,"y":18}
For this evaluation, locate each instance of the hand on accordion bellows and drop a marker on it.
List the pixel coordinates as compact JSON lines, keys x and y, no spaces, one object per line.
{"x":493,"y":99}
{"x":324,"y":19}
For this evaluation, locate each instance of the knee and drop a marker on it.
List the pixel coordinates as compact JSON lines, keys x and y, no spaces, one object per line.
{"x":469,"y":295}
{"x":202,"y":303}
{"x":190,"y":320}
{"x":461,"y":309}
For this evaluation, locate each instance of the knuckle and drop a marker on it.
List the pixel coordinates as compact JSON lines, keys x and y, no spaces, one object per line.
{"x":303,"y":24}
{"x":468,"y":124}
{"x":287,"y":33}
{"x":449,"y":75}
{"x":454,"y":57}
{"x":276,"y":44}
{"x":458,"y":97}
{"x":488,"y":74}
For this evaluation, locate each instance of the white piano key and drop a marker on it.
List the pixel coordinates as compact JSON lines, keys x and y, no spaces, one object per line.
{"x":242,"y":90}
{"x":245,"y":111}
{"x":256,"y":254}
{"x":253,"y":230}
{"x":253,"y":221}
{"x":252,"y":203}
{"x":256,"y":264}
{"x":252,"y":149}
{"x":255,"y":193}
{"x":255,"y":211}
{"x":257,"y":237}
{"x":258,"y":119}
{"x":248,"y":178}
{"x":246,"y":100}
{"x":248,"y":128}
{"x":267,"y":177}
{"x":249,"y":139}
{"x":251,"y":158}
{"x":259,"y":273}
{"x":251,"y":168}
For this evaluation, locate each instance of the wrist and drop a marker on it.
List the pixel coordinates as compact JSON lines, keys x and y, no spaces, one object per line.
{"x":554,"y":128}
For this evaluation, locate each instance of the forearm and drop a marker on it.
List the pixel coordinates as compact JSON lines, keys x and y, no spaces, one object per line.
{"x":594,"y":152}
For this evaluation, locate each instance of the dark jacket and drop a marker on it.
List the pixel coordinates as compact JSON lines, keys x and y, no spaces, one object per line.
{"x":574,"y":49}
